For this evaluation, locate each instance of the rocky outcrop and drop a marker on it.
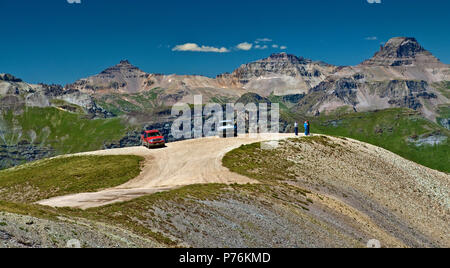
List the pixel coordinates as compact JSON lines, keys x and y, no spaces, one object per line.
{"x":293,"y":98}
{"x":343,"y":90}
{"x":130,"y":140}
{"x":407,"y":94}
{"x":365,"y":96}
{"x":431,"y":139}
{"x":9,"y":78}
{"x":133,"y":138}
{"x":13,"y":155}
{"x":445,"y":122}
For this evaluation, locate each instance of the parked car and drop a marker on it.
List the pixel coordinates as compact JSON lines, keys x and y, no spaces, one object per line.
{"x":227,"y":129}
{"x":152,"y":139}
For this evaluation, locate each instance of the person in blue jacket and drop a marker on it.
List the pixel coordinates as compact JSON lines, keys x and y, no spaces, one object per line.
{"x":307,"y":128}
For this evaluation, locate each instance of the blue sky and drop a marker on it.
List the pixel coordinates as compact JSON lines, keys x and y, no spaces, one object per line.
{"x":53,"y":41}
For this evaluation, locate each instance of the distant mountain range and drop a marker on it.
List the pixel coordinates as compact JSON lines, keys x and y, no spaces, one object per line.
{"x":401,"y":74}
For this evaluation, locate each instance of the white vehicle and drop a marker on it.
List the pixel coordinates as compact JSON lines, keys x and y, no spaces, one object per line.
{"x":227,"y":129}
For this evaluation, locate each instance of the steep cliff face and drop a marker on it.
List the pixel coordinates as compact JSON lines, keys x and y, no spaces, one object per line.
{"x":369,"y":96}
{"x":13,"y":155}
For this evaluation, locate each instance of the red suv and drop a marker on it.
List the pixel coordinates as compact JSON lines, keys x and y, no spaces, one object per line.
{"x":153,"y":138}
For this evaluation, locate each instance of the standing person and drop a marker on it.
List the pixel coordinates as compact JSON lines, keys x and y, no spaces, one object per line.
{"x":306,"y":128}
{"x":309,"y":127}
{"x":296,"y":128}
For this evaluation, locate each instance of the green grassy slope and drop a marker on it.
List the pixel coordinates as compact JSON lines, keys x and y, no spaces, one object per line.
{"x":61,"y":176}
{"x":120,"y":104}
{"x":443,"y":87}
{"x":63,"y":131}
{"x":391,"y":129}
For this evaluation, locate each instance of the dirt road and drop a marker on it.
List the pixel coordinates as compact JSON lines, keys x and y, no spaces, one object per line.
{"x":182,"y":163}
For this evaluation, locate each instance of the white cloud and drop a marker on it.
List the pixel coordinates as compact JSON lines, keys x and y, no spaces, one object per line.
{"x":263,"y":40}
{"x":244,"y":46}
{"x":374,"y":1}
{"x":261,"y":47}
{"x":196,"y":48}
{"x":74,"y":1}
{"x":371,"y":38}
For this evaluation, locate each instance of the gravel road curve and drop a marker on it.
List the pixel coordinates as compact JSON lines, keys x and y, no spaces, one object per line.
{"x":197,"y":161}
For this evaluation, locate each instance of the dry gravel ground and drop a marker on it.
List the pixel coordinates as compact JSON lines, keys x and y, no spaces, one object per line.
{"x":18,"y":231}
{"x":197,"y":161}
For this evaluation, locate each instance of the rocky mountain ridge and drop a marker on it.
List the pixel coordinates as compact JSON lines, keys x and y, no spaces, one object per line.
{"x":401,"y":74}
{"x":283,"y":73}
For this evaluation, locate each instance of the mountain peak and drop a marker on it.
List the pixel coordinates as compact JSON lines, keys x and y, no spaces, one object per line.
{"x":283,"y":56}
{"x":124,"y":62}
{"x":402,"y":47}
{"x":402,"y":51}
{"x":122,"y":77}
{"x":123,"y":66}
